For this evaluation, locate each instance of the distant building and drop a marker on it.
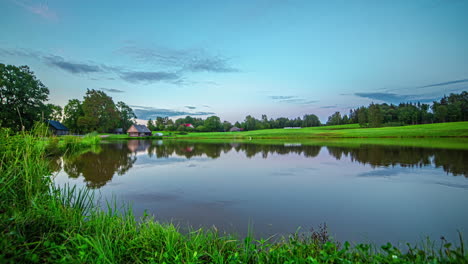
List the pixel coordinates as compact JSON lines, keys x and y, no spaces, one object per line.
{"x":57,"y":128}
{"x":187,"y":125}
{"x":139,"y":131}
{"x":118,"y":131}
{"x":235,"y":129}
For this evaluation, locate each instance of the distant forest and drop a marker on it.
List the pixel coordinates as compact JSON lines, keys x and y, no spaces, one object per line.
{"x":23,"y":100}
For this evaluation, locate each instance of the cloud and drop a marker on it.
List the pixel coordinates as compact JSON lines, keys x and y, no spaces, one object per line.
{"x":71,"y":67}
{"x":112,"y":90}
{"x":145,"y":112}
{"x":210,"y":64}
{"x":444,"y":83}
{"x":187,"y":60}
{"x":396,"y":98}
{"x":328,"y":106}
{"x":41,"y":9}
{"x":190,"y":107}
{"x":141,"y":76}
{"x":290,"y":99}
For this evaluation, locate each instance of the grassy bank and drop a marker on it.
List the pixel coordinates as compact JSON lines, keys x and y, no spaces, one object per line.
{"x":455,"y":129}
{"x":43,"y":224}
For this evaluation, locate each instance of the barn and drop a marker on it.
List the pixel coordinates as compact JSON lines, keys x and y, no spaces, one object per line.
{"x":57,"y":128}
{"x":139,"y":131}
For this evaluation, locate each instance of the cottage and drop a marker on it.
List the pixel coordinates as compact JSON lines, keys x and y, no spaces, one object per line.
{"x":235,"y":129}
{"x":57,"y":128}
{"x":139,"y":131}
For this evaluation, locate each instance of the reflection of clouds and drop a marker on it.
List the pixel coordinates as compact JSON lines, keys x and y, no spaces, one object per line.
{"x":453,"y":185}
{"x":388,"y":172}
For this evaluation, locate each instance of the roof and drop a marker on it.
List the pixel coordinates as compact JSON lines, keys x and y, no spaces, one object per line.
{"x":142,"y":129}
{"x":57,"y":125}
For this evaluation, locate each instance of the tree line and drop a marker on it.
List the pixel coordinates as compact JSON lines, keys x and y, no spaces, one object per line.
{"x":214,"y":124}
{"x":452,"y":108}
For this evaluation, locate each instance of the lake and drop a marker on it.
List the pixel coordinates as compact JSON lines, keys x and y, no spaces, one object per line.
{"x":364,"y":193}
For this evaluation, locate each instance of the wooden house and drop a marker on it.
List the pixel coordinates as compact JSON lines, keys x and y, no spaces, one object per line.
{"x":57,"y":128}
{"x":139,"y":131}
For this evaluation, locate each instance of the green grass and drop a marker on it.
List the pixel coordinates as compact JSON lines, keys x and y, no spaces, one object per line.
{"x":40,"y":223}
{"x":455,"y":129}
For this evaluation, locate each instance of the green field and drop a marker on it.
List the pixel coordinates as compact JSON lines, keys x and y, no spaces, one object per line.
{"x":455,"y":129}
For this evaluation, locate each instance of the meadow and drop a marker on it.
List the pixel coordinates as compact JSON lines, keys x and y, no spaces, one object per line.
{"x":454,"y":129}
{"x":41,"y":223}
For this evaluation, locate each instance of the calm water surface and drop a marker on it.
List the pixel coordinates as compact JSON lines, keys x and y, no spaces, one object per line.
{"x":364,"y":194}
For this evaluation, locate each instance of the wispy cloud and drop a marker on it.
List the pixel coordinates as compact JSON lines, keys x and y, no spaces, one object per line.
{"x":282,"y":97}
{"x":328,"y":106}
{"x":72,"y":67}
{"x":40,"y":9}
{"x":190,"y":107}
{"x":187,"y":60}
{"x":112,"y":90}
{"x":142,"y":76}
{"x":145,"y":112}
{"x":396,"y":98}
{"x":291,"y":99}
{"x":444,"y":83}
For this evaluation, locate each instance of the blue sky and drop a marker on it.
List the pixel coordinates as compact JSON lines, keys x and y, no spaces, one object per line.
{"x":234,"y":58}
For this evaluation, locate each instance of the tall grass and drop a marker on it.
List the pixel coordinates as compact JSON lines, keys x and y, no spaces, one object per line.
{"x":40,"y":223}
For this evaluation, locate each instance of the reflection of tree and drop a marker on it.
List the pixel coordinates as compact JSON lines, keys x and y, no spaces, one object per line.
{"x":118,"y":158}
{"x":453,"y":161}
{"x":99,"y":168}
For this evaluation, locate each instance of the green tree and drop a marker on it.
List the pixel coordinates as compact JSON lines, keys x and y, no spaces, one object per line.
{"x":53,"y":112}
{"x":126,"y":114}
{"x":150,"y":125}
{"x":213,"y":123}
{"x":100,"y":112}
{"x":310,"y":121}
{"x":22,"y":97}
{"x":226,"y":125}
{"x":71,"y":113}
{"x":334,"y":119}
{"x":375,"y":116}
{"x":362,"y":116}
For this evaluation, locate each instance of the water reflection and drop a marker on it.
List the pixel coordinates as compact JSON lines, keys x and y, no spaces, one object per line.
{"x":117,"y":158}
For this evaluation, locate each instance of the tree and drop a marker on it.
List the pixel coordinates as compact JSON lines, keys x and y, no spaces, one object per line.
{"x":150,"y":125}
{"x":100,"y":112}
{"x":362,"y":116}
{"x":127,"y":116}
{"x":213,"y":123}
{"x":334,"y":119}
{"x":310,"y":121}
{"x":226,"y":126}
{"x":22,"y":97}
{"x":53,"y":112}
{"x":72,"y":111}
{"x":375,"y":116}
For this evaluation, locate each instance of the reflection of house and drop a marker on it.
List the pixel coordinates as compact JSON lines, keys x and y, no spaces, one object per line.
{"x":235,"y":129}
{"x":138,"y":131}
{"x":138,"y":146}
{"x":57,"y":128}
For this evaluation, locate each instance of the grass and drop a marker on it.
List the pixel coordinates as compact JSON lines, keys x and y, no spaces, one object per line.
{"x":455,"y":129}
{"x":40,"y":223}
